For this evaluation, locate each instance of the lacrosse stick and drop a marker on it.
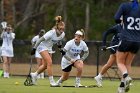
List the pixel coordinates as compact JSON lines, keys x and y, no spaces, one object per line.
{"x":90,"y":86}
{"x":112,"y":46}
{"x":28,"y":81}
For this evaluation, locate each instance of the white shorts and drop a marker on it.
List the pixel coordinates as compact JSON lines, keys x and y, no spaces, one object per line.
{"x":65,"y":63}
{"x":42,"y":47}
{"x":37,"y":55}
{"x":7,"y":52}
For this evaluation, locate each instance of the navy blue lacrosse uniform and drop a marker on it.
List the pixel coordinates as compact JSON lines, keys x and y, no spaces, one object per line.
{"x":130,"y":36}
{"x":115,"y":30}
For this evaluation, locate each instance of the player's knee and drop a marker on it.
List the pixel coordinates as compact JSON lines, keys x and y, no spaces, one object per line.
{"x":80,"y":68}
{"x":108,"y":65}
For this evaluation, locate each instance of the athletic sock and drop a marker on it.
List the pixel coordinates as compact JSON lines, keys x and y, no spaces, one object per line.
{"x":51,"y":79}
{"x":100,"y":75}
{"x":125,"y":75}
{"x":36,"y":74}
{"x":77,"y":80}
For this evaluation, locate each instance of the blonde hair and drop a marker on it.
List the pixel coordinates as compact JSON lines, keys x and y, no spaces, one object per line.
{"x":82,"y":30}
{"x":82,"y":33}
{"x":59,"y":22}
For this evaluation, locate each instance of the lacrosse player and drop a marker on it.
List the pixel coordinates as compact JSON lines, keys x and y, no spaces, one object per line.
{"x":130,"y":38}
{"x":37,"y":55}
{"x":71,"y":57}
{"x":115,"y":41}
{"x":44,"y":46}
{"x":7,"y":49}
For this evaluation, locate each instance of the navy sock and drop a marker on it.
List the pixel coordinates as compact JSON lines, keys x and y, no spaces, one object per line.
{"x":125,"y":75}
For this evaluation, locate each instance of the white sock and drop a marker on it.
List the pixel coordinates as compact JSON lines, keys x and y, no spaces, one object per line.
{"x":42,"y":75}
{"x":77,"y":80}
{"x":100,"y":75}
{"x":36,"y":74}
{"x":51,"y":79}
{"x":124,"y":72}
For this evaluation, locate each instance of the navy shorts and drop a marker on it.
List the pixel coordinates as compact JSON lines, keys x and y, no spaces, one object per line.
{"x":68,"y":69}
{"x":128,"y":46}
{"x":114,"y":49}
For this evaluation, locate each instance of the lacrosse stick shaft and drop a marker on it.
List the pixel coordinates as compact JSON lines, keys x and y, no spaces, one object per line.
{"x":112,"y":46}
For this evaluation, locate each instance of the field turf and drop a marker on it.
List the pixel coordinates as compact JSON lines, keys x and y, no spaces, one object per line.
{"x":9,"y":86}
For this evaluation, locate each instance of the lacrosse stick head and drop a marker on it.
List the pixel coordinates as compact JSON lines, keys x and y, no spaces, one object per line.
{"x":4,"y":24}
{"x":28,"y":81}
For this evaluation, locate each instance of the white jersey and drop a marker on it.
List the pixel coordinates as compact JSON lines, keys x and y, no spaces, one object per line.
{"x":51,"y":38}
{"x":7,"y":45}
{"x":73,"y":51}
{"x":34,"y":40}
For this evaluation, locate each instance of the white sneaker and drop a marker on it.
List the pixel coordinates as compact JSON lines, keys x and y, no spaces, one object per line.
{"x":127,"y":82}
{"x":34,"y":78}
{"x":53,"y":84}
{"x":39,"y":76}
{"x":98,"y":81}
{"x":78,"y":85}
{"x":121,"y":90}
{"x":58,"y":84}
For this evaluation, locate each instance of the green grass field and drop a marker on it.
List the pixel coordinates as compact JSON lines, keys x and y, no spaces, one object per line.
{"x":8,"y":86}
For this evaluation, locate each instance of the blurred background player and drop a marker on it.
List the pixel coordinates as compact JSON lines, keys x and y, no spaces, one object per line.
{"x":7,"y":48}
{"x":130,"y":38}
{"x":37,"y":55}
{"x":115,"y":30}
{"x":44,"y":46}
{"x":71,"y":57}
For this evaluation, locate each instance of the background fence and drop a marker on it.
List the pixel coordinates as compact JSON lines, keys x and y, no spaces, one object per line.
{"x":95,"y":60}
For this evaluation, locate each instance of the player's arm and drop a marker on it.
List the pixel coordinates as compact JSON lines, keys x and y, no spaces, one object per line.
{"x":85,"y":55}
{"x":33,"y":41}
{"x":86,"y":52}
{"x":12,"y":35}
{"x":63,"y":53}
{"x":64,"y":50}
{"x":119,"y":13}
{"x":2,"y":34}
{"x":112,"y":30}
{"x":38,"y":42}
{"x":36,"y":45}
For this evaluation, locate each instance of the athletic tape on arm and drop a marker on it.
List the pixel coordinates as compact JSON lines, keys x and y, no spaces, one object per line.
{"x":85,"y":55}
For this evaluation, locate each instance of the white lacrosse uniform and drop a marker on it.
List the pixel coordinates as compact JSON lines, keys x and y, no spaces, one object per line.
{"x":51,"y":38}
{"x":35,"y":39}
{"x":7,"y":45}
{"x":73,"y":51}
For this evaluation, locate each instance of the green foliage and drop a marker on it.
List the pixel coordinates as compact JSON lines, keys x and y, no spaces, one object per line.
{"x":101,"y":17}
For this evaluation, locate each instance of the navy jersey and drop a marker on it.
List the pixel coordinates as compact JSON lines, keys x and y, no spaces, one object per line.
{"x":115,"y":30}
{"x":131,"y":20}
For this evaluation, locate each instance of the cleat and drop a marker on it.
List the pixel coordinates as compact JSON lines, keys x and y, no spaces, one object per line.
{"x":128,"y":81}
{"x":53,"y":84}
{"x":34,"y":79}
{"x":98,"y":81}
{"x":121,"y":90}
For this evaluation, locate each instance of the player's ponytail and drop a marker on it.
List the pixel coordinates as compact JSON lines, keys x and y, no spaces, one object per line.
{"x":58,"y":19}
{"x":59,"y":22}
{"x":82,"y":30}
